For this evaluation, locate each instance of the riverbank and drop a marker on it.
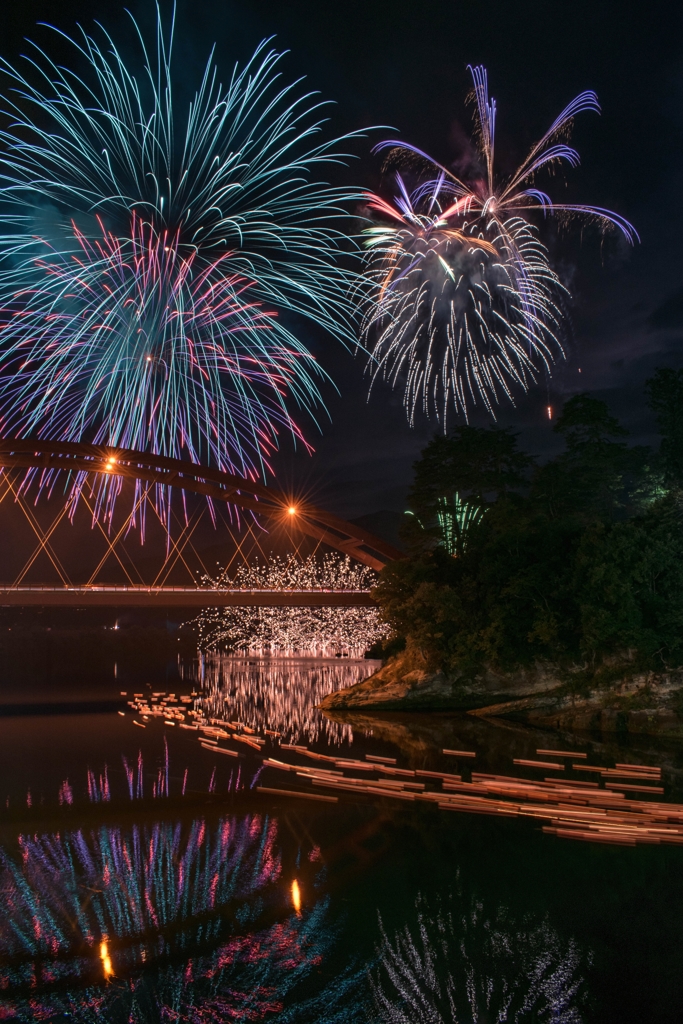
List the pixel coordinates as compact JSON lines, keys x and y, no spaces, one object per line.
{"x":615,"y":696}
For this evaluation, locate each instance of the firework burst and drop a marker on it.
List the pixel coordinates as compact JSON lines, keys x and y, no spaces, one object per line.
{"x":154,"y":261}
{"x":467,"y":306}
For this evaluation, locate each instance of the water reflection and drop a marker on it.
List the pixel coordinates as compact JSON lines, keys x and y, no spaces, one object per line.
{"x":154,"y":923}
{"x":280,"y":694}
{"x":463,"y":962}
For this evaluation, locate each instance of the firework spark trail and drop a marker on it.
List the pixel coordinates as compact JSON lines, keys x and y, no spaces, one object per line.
{"x":147,"y":256}
{"x":319,"y":632}
{"x":172,"y":927}
{"x":284,"y":687}
{"x":179,"y":911}
{"x":467,"y":306}
{"x":462,"y":963}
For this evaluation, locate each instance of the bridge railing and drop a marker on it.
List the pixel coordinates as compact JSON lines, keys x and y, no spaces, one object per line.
{"x":174,"y":596}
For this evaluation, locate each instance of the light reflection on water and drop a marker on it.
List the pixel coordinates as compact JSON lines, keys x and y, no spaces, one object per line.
{"x":465,"y":961}
{"x":194,"y":923}
{"x":278,"y":693}
{"x":310,"y":915}
{"x":159,"y":922}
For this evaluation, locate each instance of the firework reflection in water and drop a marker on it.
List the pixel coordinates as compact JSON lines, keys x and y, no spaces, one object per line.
{"x":279,"y":693}
{"x":153,"y":923}
{"x":462,"y":963}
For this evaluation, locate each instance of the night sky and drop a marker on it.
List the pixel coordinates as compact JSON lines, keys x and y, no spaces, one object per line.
{"x":403,"y":64}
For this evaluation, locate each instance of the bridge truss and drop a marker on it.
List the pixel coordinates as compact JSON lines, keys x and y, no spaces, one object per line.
{"x":263,"y":504}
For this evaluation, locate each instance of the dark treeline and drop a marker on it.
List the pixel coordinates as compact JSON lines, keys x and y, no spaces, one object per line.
{"x":576,"y":560}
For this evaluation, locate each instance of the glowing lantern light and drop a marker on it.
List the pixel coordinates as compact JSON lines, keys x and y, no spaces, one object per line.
{"x":296,"y":896}
{"x":106,"y":959}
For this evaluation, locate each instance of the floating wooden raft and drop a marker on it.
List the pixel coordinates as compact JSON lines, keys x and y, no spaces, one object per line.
{"x":561,"y":753}
{"x":539,"y":764}
{"x":569,"y":809}
{"x":297,"y":793}
{"x":220,"y":750}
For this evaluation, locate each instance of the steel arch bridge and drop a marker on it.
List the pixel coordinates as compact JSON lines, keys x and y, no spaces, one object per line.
{"x":220,"y":487}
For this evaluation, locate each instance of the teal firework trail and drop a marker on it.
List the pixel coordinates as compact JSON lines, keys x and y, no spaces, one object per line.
{"x":156,"y":262}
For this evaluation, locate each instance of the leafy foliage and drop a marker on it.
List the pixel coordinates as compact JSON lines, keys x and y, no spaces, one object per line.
{"x":578,"y":558}
{"x":665,"y":391}
{"x":478,"y":463}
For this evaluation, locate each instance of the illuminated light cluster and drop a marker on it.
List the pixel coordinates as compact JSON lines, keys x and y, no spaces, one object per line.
{"x":322,"y":632}
{"x":147,"y":252}
{"x":467,"y":307}
{"x":107,"y":967}
{"x":456,"y":517}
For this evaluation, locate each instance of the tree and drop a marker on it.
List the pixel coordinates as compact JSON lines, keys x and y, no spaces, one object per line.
{"x":665,"y":394}
{"x":629,"y":584}
{"x":456,"y":478}
{"x":570,"y":560}
{"x":472,"y":462}
{"x":598,"y":476}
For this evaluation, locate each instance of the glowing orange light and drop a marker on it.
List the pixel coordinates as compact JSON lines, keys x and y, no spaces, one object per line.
{"x":106,"y":959}
{"x":296,"y":896}
{"x":550,"y":412}
{"x":291,"y":510}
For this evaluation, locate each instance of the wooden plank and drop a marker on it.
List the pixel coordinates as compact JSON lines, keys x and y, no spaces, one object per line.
{"x":297,"y":793}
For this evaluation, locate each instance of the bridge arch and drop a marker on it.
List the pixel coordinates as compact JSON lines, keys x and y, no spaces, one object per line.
{"x":78,"y":457}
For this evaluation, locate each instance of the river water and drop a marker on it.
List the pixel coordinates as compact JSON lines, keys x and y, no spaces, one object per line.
{"x":145,"y":877}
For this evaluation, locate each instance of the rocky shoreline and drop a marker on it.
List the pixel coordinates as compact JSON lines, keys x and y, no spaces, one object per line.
{"x":615,"y":698}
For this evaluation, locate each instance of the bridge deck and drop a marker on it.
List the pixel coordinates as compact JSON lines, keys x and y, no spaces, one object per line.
{"x":178,"y":597}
